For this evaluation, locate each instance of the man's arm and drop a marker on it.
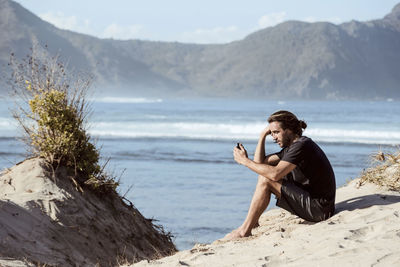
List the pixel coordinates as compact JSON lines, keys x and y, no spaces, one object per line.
{"x":259,"y":154}
{"x":274,"y":173}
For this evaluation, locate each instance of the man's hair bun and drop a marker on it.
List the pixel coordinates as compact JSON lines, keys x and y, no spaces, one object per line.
{"x":303,"y":124}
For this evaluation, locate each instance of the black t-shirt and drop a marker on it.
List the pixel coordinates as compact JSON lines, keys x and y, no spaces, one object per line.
{"x":313,"y":170}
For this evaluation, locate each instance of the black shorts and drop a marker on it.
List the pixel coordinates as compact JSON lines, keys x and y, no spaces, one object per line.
{"x":299,"y":202}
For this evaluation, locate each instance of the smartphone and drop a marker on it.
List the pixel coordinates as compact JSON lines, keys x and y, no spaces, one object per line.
{"x":237,"y":145}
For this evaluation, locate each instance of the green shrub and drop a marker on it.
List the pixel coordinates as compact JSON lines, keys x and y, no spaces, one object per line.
{"x":52,"y":110}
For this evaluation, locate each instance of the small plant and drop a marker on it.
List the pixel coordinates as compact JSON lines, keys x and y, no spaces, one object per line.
{"x":52,"y":111}
{"x":385,"y":173}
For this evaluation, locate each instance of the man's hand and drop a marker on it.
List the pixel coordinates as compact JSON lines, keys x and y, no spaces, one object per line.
{"x":240,"y":155}
{"x":266,"y":132}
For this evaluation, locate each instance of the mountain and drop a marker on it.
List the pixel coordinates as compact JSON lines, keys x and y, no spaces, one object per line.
{"x":354,"y":60}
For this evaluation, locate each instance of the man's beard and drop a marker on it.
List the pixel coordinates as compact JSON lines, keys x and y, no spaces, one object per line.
{"x":285,"y":141}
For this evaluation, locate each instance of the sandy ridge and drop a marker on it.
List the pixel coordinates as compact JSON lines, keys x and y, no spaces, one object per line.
{"x":47,"y":221}
{"x":365,"y":231}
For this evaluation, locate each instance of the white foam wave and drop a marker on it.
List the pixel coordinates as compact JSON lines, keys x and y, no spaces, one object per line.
{"x":222,"y":131}
{"x":231,"y":131}
{"x":176,"y":129}
{"x":389,"y":137}
{"x":6,"y":123}
{"x":9,"y":128}
{"x":138,"y":100}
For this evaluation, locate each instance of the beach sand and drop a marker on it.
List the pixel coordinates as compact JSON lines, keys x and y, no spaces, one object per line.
{"x":365,"y":231}
{"x":46,"y":221}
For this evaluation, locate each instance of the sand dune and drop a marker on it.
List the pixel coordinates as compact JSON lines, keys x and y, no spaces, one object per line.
{"x":365,"y":231}
{"x":46,"y":221}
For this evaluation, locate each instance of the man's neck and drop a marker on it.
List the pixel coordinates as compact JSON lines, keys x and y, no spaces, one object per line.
{"x":295,"y":139}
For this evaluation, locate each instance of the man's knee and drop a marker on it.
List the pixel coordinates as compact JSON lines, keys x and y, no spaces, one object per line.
{"x":263,"y":182}
{"x":269,"y":186}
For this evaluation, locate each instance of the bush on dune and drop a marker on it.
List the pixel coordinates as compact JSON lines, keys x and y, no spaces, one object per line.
{"x":52,"y":111}
{"x":386,"y":173}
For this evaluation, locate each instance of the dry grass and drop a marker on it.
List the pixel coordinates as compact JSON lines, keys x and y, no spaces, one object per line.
{"x":385,"y":172}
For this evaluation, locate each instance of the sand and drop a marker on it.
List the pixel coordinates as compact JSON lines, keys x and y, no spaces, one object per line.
{"x":46,"y":221}
{"x":365,"y":231}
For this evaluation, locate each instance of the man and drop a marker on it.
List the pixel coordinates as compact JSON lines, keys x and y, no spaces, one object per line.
{"x":300,"y":175}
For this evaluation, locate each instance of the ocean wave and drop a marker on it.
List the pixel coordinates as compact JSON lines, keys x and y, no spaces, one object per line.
{"x":222,"y":131}
{"x":7,"y":123}
{"x":388,"y":137}
{"x":176,"y":129}
{"x":137,"y":100}
{"x":8,"y":128}
{"x":232,"y":131}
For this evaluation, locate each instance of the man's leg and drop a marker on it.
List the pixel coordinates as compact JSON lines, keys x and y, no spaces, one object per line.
{"x":259,"y":203}
{"x":299,"y":202}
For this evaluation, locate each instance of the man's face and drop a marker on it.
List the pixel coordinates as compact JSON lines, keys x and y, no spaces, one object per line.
{"x":282,"y":137}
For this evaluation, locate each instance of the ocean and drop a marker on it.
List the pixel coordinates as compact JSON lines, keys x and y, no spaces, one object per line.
{"x":175,"y":156}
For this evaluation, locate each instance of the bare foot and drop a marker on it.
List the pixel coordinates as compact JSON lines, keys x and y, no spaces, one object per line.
{"x":235,"y":234}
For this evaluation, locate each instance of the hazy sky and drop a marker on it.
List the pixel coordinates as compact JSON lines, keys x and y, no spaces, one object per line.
{"x":202,"y":21}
